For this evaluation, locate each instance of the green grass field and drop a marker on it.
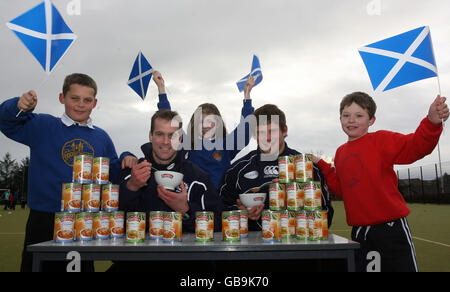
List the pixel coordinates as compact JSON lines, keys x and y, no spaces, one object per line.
{"x":429,"y":226}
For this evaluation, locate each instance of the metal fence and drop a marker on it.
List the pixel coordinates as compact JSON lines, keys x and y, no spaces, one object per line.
{"x":425,"y":184}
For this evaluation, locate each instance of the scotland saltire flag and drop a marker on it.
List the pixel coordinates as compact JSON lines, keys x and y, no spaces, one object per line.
{"x":400,"y":60}
{"x":140,"y":76}
{"x":255,"y":72}
{"x":45,"y":34}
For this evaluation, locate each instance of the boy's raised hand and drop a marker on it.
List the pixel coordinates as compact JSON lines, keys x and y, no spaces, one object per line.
{"x":248,"y":87}
{"x":27,"y":101}
{"x":157,"y":77}
{"x":438,"y":110}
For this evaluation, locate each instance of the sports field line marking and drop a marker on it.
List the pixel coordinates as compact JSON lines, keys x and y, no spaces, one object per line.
{"x":434,"y":242}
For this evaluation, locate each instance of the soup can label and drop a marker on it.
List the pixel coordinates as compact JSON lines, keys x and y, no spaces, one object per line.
{"x":304,"y":168}
{"x":324,"y":225}
{"x":100,"y":170}
{"x":288,"y":224}
{"x":173,"y":226}
{"x":313,"y":195}
{"x":116,"y":224}
{"x":83,"y":226}
{"x":64,"y":226}
{"x":156,"y":224}
{"x":101,"y":225}
{"x":110,"y":198}
{"x":82,"y":169}
{"x":135,"y":227}
{"x":204,"y":226}
{"x":271,"y":230}
{"x":71,"y":198}
{"x":243,"y":223}
{"x":90,"y":197}
{"x":294,"y":196}
{"x":277,"y":196}
{"x":314,"y":225}
{"x":231,"y":221}
{"x":302,"y":225}
{"x":286,"y":169}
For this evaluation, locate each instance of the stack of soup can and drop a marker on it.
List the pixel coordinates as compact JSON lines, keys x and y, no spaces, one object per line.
{"x":89,"y":204}
{"x":297,"y":198}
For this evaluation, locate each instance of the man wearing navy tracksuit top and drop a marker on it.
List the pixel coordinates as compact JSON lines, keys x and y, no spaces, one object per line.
{"x":253,"y":172}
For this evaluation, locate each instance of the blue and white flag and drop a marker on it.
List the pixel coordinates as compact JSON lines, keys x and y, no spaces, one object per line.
{"x":45,"y":34}
{"x":140,"y":76}
{"x":400,"y":60}
{"x":255,"y":72}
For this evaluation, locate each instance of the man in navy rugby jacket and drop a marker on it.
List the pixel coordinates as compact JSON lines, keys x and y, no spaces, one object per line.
{"x":139,"y":191}
{"x":259,"y":168}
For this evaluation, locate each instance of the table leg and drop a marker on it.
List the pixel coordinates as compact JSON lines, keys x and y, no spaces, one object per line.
{"x":37,"y":263}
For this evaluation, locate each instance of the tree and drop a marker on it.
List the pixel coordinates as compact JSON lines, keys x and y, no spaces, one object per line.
{"x":8,"y":167}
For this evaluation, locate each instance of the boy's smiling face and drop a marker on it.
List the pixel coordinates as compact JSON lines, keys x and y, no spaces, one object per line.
{"x":355,"y":121}
{"x":79,"y":102}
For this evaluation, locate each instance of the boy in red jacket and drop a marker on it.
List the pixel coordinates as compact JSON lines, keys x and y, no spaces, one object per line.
{"x":364,"y":177}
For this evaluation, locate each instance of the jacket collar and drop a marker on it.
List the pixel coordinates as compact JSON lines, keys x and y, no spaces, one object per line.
{"x":69,"y":122}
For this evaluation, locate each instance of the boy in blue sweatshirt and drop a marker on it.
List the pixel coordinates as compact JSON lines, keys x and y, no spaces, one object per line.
{"x":54,"y":142}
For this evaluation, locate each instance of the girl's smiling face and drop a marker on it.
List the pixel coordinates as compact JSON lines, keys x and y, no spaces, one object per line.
{"x":355,"y":121}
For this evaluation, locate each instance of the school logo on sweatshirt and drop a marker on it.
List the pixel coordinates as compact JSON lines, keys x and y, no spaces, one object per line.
{"x":75,"y":147}
{"x":218,"y":155}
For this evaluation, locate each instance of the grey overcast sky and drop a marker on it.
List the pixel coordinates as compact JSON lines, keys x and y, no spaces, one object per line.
{"x":308,"y":53}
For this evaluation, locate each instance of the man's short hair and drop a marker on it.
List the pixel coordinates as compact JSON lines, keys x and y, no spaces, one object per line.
{"x":362,"y":99}
{"x":80,"y":79}
{"x":166,"y":115}
{"x":268,"y":111}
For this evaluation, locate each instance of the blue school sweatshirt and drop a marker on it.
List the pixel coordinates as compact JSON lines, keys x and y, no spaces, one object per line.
{"x":53,"y":146}
{"x":215,"y":161}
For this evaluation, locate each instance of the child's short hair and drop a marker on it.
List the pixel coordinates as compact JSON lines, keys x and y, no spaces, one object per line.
{"x":362,"y":99}
{"x":270,"y":110}
{"x":166,"y":115}
{"x":80,"y":79}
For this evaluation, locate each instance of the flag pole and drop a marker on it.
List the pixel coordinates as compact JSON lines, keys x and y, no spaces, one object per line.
{"x":36,"y":90}
{"x":439,"y":147}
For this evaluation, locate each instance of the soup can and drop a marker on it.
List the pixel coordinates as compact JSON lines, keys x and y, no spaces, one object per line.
{"x":82,"y":169}
{"x":271,"y":230}
{"x":136,"y":227}
{"x":204,"y":226}
{"x":288,"y":224}
{"x":286,"y":169}
{"x":173,"y":227}
{"x":324,"y":214}
{"x":101,"y":225}
{"x":231,"y":222}
{"x":294,"y":196}
{"x":277,"y":196}
{"x":302,"y":225}
{"x":110,"y":198}
{"x":116,"y":224}
{"x":243,"y":223}
{"x":71,"y":198}
{"x":100,"y":170}
{"x":64,"y":226}
{"x":304,"y":168}
{"x":90,"y":197}
{"x":156,"y":224}
{"x":83,"y":226}
{"x":313,"y":195}
{"x":314,"y":225}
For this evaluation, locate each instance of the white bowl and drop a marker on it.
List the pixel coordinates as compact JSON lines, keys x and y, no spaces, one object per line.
{"x":251,"y":200}
{"x":168,"y":179}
